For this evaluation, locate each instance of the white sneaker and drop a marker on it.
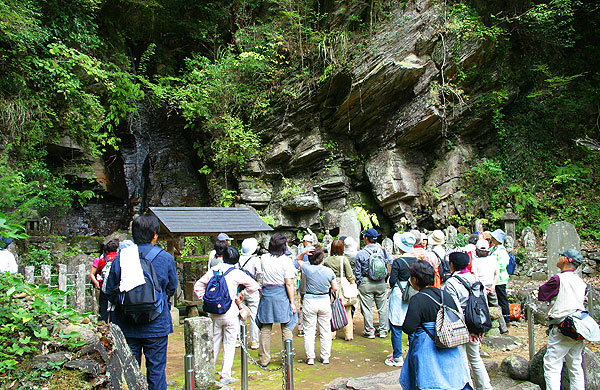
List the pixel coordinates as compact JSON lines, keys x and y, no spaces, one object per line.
{"x":324,"y":361}
{"x":394,"y":362}
{"x":254,"y":345}
{"x":227,"y":381}
{"x":310,"y":362}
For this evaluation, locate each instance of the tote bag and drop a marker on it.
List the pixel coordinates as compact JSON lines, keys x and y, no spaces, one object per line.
{"x":349,"y":291}
{"x":338,"y":315}
{"x":450,"y":330}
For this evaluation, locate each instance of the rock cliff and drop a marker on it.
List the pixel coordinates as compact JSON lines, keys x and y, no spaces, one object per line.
{"x":394,"y":132}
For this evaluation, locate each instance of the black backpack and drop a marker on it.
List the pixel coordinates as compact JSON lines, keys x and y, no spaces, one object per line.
{"x":477,"y":313}
{"x":143,"y":304}
{"x":444,"y":268}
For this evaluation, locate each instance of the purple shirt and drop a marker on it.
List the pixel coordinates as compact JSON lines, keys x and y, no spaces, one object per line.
{"x":549,"y":290}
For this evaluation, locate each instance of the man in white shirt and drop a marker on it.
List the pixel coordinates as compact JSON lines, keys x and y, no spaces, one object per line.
{"x":7,"y":259}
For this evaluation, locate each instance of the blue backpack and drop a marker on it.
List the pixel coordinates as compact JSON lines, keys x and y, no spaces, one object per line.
{"x":512,"y":264}
{"x":146,"y":302}
{"x":216,"y":298}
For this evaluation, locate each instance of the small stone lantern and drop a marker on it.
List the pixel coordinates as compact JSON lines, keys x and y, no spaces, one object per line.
{"x":510,"y":222}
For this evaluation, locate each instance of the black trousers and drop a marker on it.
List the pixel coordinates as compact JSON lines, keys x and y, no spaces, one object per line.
{"x":503,"y":301}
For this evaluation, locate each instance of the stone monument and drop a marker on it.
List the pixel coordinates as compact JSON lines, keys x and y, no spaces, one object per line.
{"x":198,"y":335}
{"x":528,"y":239}
{"x":388,"y":245}
{"x":451,"y":234}
{"x":479,"y":225}
{"x":510,"y":222}
{"x":349,"y":225}
{"x":560,"y":236}
{"x":327,"y":240}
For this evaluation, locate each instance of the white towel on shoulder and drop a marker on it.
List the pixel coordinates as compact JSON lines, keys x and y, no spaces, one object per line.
{"x":132,"y":274}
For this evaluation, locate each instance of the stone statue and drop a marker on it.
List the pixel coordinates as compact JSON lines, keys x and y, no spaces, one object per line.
{"x":327,"y":240}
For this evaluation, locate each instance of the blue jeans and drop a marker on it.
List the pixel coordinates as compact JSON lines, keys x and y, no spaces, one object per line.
{"x":155,"y":352}
{"x":396,"y":340}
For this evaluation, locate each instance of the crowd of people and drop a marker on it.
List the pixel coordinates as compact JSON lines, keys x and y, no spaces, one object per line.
{"x":295,"y":291}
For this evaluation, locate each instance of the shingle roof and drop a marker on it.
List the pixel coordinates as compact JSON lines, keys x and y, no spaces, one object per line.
{"x":209,"y":220}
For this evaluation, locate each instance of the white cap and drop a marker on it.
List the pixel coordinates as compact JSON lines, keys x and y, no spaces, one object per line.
{"x":249,"y":246}
{"x":483,"y":244}
{"x":308,"y":238}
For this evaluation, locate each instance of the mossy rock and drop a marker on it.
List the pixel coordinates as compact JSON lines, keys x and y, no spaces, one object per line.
{"x":87,"y":244}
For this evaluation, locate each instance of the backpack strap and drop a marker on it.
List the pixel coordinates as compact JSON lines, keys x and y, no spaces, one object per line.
{"x":407,"y":266}
{"x":151,"y":255}
{"x":440,"y":304}
{"x":464,"y":283}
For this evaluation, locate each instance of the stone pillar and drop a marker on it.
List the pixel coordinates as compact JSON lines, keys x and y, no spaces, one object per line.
{"x":510,"y":222}
{"x":46,"y":275}
{"x":560,"y":236}
{"x":62,"y":279}
{"x":29,"y":274}
{"x":80,"y":277}
{"x":198,"y":337}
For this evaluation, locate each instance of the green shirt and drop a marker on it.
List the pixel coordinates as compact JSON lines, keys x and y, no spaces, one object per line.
{"x":501,"y":255}
{"x":333,"y":262}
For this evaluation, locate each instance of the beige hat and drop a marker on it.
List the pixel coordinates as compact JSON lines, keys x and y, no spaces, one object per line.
{"x":437,"y":238}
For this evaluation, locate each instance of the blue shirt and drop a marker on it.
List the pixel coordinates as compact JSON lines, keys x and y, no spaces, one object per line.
{"x":318,"y":280}
{"x":166,"y":273}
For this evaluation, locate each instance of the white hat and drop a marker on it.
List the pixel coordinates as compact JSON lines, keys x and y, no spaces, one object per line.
{"x":437,"y":237}
{"x":350,"y":247}
{"x":482,"y":244}
{"x":307,"y":238}
{"x":223,"y":237}
{"x":499,"y":235}
{"x":249,"y":246}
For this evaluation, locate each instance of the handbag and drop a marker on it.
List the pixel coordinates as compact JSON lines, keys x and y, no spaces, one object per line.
{"x":338,"y":315}
{"x":450,"y":330}
{"x":349,"y":291}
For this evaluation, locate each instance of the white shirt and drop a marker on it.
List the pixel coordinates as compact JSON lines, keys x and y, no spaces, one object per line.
{"x":8,"y":262}
{"x":485,"y":268}
{"x":277,"y":269}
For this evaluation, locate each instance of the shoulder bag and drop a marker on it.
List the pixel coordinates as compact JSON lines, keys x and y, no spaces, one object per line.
{"x":450,"y":329}
{"x":348,"y":291}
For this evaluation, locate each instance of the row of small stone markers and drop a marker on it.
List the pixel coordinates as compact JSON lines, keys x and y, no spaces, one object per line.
{"x":79,"y":284}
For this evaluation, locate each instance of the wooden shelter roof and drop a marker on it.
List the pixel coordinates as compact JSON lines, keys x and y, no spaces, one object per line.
{"x":206,"y":221}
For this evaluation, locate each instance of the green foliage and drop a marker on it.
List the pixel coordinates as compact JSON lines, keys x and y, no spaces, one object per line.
{"x":27,"y":324}
{"x":268,"y":219}
{"x":227,"y":197}
{"x":39,"y":256}
{"x":290,"y":188}
{"x":367,"y":220}
{"x":194,"y":246}
{"x":11,"y":230}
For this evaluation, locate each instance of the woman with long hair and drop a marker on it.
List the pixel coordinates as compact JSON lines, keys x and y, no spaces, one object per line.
{"x":340,"y":266}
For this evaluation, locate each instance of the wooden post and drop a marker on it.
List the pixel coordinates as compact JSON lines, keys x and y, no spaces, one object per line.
{"x":46,"y":274}
{"x":530,"y":327}
{"x":29,"y":274}
{"x":80,"y":277}
{"x":188,"y":293}
{"x":591,"y":293}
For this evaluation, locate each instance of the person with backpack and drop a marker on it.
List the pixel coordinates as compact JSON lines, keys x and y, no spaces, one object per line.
{"x":218,"y":290}
{"x":400,"y":295}
{"x":469,"y":294}
{"x":426,"y":365}
{"x":371,"y":272}
{"x":100,"y":269}
{"x":500,"y":254}
{"x":278,"y":302}
{"x":158,"y":270}
{"x":250,"y":264}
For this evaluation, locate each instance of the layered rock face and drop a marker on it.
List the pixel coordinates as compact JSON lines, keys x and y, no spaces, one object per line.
{"x":381,"y":134}
{"x":393,"y":134}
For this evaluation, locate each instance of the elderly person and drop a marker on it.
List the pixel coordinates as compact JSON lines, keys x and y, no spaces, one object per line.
{"x":227,"y":325}
{"x":250,"y":264}
{"x":427,"y":366}
{"x":277,"y":305}
{"x":399,"y":283}
{"x":456,"y":287}
{"x":340,"y":266}
{"x":303,"y":251}
{"x":316,"y":304}
{"x":109,"y":253}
